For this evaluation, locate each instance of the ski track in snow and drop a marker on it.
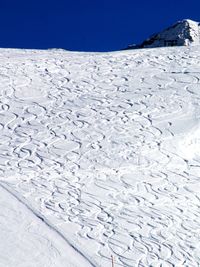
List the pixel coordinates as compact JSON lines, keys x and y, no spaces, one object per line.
{"x":25,"y":241}
{"x":106,"y":147}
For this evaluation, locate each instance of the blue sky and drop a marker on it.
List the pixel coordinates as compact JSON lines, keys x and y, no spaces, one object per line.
{"x":88,"y":25}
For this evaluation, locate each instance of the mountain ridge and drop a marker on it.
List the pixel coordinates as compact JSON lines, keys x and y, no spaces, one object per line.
{"x":182,"y":33}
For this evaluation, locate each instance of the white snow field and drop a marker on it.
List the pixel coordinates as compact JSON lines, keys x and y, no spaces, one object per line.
{"x":100,"y":156}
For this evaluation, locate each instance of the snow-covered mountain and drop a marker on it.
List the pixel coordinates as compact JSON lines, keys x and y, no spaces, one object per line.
{"x":100,"y":156}
{"x":182,"y":33}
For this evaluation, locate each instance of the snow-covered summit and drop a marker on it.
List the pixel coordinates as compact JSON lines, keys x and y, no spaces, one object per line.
{"x":182,"y":33}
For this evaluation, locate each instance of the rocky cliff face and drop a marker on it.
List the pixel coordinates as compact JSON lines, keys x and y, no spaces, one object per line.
{"x":182,"y":33}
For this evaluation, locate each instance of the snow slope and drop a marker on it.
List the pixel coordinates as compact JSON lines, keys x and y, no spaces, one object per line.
{"x":100,"y":156}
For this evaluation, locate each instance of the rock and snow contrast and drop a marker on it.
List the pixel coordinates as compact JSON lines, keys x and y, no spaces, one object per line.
{"x":100,"y":156}
{"x":182,"y":33}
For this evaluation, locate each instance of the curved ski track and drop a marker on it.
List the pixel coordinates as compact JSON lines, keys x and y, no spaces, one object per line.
{"x":105,"y":147}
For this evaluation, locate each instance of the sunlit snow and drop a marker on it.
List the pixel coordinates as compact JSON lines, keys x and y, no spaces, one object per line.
{"x":100,"y":156}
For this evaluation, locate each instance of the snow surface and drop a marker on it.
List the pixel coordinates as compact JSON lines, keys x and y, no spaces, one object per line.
{"x":100,"y":156}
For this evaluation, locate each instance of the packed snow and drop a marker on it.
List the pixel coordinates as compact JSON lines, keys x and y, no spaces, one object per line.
{"x":100,"y":157}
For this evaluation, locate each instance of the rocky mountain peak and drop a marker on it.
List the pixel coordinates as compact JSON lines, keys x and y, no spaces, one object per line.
{"x":182,"y":33}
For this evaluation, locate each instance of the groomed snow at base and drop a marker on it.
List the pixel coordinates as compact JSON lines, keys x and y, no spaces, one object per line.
{"x":100,"y":156}
{"x":25,"y":241}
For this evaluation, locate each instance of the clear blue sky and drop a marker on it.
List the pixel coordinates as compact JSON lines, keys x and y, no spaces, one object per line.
{"x":88,"y":25}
